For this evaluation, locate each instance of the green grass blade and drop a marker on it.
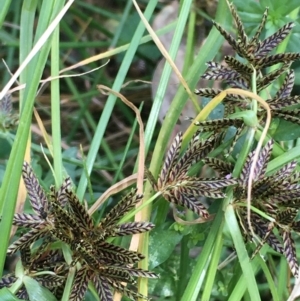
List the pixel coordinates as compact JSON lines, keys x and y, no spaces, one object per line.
{"x":102,"y":124}
{"x":213,"y":268}
{"x":193,"y":288}
{"x":241,"y":251}
{"x":55,"y":110}
{"x":4,"y":6}
{"x":10,"y":184}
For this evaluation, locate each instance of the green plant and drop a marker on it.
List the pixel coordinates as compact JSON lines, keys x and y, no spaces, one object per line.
{"x":232,"y":181}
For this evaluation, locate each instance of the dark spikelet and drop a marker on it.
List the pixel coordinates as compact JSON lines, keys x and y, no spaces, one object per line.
{"x":238,"y":66}
{"x":141,"y":273}
{"x":290,"y":252}
{"x":255,"y":38}
{"x":22,"y":294}
{"x":6,"y":104}
{"x":296,"y":227}
{"x":37,"y":196}
{"x":80,"y":213}
{"x":50,"y":281}
{"x":265,"y":46}
{"x":117,"y":253}
{"x":171,"y":158}
{"x":263,"y":187}
{"x":261,"y":228}
{"x":134,"y":228}
{"x":80,"y":285}
{"x":212,"y":184}
{"x":244,"y":176}
{"x":27,"y":239}
{"x":267,"y":233}
{"x":242,"y":37}
{"x":274,"y":243}
{"x":196,"y":150}
{"x":286,"y":58}
{"x":86,"y":252}
{"x":218,"y":124}
{"x":27,"y":220}
{"x":25,"y":256}
{"x":221,"y":74}
{"x":263,"y":159}
{"x":286,"y":197}
{"x":207,"y":92}
{"x":285,"y":172}
{"x":124,"y":206}
{"x":286,"y":217}
{"x":239,"y":82}
{"x":61,"y":195}
{"x":64,"y":220}
{"x":125,"y":291}
{"x":102,"y":288}
{"x":228,"y":37}
{"x":7,"y":281}
{"x":151,"y":179}
{"x":116,"y":273}
{"x":270,"y":77}
{"x":221,"y":167}
{"x":287,"y":86}
{"x":218,"y":72}
{"x":214,"y":194}
{"x":284,"y":102}
{"x":295,"y":177}
{"x":288,"y":116}
{"x":190,"y":202}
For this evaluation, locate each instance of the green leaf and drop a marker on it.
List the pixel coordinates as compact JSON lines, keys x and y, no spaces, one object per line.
{"x":161,"y":245}
{"x":37,"y":292}
{"x":284,"y":8}
{"x":286,"y":131}
{"x":6,"y":295}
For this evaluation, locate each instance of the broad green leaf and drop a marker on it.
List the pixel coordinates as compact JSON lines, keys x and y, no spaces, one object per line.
{"x":6,"y":295}
{"x":286,"y":131}
{"x":36,"y":292}
{"x":161,"y":245}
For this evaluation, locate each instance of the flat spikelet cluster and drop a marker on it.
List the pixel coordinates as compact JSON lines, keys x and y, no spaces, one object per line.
{"x":276,"y":195}
{"x":61,"y":217}
{"x":254,"y":59}
{"x":181,"y":189}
